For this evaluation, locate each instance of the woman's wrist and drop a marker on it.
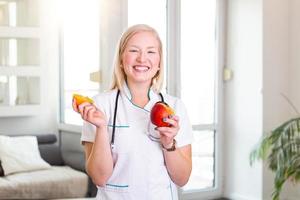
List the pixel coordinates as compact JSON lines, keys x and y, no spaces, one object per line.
{"x":101,"y":128}
{"x":170,"y":147}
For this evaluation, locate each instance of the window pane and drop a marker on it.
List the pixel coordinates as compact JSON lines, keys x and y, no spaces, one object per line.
{"x":80,"y":42}
{"x":198,"y":59}
{"x":198,"y":77}
{"x":137,"y":14}
{"x":203,"y":161}
{"x":19,"y":13}
{"x":19,"y":90}
{"x":19,"y":52}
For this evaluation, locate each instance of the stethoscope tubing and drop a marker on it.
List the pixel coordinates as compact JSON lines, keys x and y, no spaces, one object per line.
{"x":114,"y":122}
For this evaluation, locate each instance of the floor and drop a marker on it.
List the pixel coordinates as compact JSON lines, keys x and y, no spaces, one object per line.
{"x":94,"y":199}
{"x":77,"y":199}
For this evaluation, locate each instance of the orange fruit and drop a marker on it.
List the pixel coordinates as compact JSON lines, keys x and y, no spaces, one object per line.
{"x":81,"y":99}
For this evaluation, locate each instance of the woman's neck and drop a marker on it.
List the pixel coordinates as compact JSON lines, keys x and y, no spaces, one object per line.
{"x":139,"y":93}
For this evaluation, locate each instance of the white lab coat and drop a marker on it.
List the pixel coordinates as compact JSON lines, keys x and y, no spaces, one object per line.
{"x":139,"y":169}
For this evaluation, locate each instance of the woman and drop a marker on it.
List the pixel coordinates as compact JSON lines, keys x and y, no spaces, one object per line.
{"x":127,"y":157}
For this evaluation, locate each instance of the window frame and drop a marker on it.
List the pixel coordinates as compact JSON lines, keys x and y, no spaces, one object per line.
{"x":61,"y":75}
{"x":173,"y":75}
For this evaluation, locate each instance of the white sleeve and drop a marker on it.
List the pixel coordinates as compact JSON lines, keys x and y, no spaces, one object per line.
{"x":185,"y":133}
{"x":88,"y":133}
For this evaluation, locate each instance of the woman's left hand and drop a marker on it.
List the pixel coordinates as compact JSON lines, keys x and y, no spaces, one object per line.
{"x":167,"y":134}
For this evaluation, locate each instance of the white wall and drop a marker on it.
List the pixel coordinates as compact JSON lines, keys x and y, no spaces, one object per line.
{"x":275,"y":72}
{"x":243,"y":99}
{"x":47,"y":121}
{"x":294,"y":52}
{"x":292,"y":192}
{"x":276,"y":62}
{"x":279,"y":73}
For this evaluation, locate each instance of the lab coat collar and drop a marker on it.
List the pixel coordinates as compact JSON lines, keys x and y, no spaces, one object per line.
{"x":151,"y":94}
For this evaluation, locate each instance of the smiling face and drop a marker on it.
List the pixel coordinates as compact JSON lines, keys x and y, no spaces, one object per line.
{"x":141,"y":58}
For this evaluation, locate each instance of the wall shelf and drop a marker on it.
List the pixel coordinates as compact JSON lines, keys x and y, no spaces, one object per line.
{"x":20,"y":110}
{"x":20,"y":67}
{"x":19,"y":32}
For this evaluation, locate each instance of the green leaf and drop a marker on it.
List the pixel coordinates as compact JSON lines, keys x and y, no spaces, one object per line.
{"x":281,"y":149}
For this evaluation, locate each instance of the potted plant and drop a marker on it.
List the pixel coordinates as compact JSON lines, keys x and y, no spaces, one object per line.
{"x":281,"y":151}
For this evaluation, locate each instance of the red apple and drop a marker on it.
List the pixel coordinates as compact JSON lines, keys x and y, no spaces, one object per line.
{"x":159,"y":111}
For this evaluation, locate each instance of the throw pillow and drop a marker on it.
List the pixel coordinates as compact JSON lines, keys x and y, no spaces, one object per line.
{"x":20,"y":154}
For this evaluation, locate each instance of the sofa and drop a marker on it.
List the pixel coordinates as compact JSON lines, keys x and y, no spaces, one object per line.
{"x":55,"y":179}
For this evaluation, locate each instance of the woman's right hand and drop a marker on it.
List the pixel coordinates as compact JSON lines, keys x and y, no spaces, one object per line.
{"x":90,"y":113}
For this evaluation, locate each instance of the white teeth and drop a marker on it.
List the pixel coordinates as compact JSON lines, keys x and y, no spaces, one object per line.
{"x":141,"y":68}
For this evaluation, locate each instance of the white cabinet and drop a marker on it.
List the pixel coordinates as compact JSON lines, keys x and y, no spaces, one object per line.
{"x":20,"y":69}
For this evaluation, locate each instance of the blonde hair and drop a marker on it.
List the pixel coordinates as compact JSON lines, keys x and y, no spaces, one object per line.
{"x":119,"y":76}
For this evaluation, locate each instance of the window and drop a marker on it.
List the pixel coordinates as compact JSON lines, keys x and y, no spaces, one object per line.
{"x":198,"y":74}
{"x":200,"y":67}
{"x":79,"y":54}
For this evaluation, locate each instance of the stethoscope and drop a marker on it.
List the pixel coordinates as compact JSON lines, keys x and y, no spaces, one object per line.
{"x":112,"y":142}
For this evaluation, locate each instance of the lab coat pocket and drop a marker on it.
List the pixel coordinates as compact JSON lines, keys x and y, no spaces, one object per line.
{"x":119,"y":183}
{"x":152,"y":133}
